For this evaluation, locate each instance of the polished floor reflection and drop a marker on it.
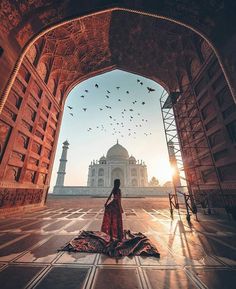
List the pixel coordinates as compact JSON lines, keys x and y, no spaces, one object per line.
{"x":202,"y":255}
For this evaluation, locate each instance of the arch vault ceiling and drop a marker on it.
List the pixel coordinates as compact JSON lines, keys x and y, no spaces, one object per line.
{"x":155,"y":48}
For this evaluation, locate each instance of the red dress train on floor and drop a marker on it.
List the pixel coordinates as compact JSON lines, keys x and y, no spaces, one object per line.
{"x":112,"y":241}
{"x":112,"y":223}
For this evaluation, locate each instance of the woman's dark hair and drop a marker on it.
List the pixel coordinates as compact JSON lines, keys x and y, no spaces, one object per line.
{"x":117,"y":183}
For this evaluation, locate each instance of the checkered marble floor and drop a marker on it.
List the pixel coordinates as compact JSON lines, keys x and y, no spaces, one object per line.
{"x":202,"y":255}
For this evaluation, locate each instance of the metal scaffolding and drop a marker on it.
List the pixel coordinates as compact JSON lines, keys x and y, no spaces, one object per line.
{"x":188,"y":136}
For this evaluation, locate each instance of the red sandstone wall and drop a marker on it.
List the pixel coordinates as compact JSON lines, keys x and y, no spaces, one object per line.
{"x":206,"y":120}
{"x":29,"y":126}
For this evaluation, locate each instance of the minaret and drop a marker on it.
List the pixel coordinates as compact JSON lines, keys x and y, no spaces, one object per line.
{"x":62,"y":167}
{"x":173,"y":163}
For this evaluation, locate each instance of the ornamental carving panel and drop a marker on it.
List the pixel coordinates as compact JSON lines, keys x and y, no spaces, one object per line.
{"x":33,"y":161}
{"x":30,"y":113}
{"x":39,"y":134}
{"x":19,"y":86}
{"x":51,"y":131}
{"x":14,"y":99}
{"x":34,"y":100}
{"x":36,"y":148}
{"x":42,"y":178}
{"x":16,"y":156}
{"x":9,"y":113}
{"x":42,"y":123}
{"x":22,"y":141}
{"x":12,"y":173}
{"x":29,"y":176}
{"x":45,"y":165}
{"x":20,"y":197}
{"x":26,"y":125}
{"x":35,"y":89}
{"x":47,"y":153}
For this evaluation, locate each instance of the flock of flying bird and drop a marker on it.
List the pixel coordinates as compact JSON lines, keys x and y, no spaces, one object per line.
{"x":116,"y":126}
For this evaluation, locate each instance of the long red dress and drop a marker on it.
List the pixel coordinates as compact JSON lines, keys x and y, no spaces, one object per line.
{"x":112,"y":223}
{"x":112,"y":240}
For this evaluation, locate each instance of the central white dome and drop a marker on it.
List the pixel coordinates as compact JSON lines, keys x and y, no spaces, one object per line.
{"x":117,"y":152}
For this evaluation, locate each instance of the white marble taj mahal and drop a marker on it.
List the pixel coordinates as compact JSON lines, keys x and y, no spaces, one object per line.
{"x":117,"y":165}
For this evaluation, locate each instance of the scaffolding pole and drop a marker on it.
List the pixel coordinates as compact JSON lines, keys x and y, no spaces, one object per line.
{"x":174,"y":149}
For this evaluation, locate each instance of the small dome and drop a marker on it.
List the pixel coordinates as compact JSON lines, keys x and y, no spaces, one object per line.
{"x":117,"y":152}
{"x":66,"y":143}
{"x":132,"y":160}
{"x":102,"y":158}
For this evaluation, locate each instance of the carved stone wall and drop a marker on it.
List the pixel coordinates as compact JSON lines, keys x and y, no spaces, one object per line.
{"x":206,"y":121}
{"x":29,"y":127}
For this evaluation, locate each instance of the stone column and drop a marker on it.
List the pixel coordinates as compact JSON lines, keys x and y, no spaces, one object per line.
{"x":62,"y":167}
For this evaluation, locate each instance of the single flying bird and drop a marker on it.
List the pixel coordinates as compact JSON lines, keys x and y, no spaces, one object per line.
{"x":84,"y":109}
{"x":86,"y":90}
{"x":96,"y":85}
{"x":70,"y":107}
{"x":150,"y":89}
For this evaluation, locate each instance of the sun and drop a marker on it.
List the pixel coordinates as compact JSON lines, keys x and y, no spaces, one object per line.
{"x":164,"y":171}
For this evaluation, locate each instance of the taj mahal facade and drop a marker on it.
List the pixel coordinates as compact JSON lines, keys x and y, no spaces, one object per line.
{"x":117,"y":164}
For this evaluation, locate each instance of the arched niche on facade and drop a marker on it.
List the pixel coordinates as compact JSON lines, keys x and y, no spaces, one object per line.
{"x":101,"y":172}
{"x":100,"y":182}
{"x":93,"y":172}
{"x":117,"y":173}
{"x":134,"y":183}
{"x":133,"y":172}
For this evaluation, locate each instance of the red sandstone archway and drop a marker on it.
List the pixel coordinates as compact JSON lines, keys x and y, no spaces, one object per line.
{"x":70,"y":52}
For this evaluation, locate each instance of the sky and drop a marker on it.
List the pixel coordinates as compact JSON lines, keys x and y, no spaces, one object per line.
{"x":92,"y":132}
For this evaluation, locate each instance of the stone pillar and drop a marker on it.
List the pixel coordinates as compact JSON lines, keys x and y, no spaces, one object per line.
{"x":62,"y":167}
